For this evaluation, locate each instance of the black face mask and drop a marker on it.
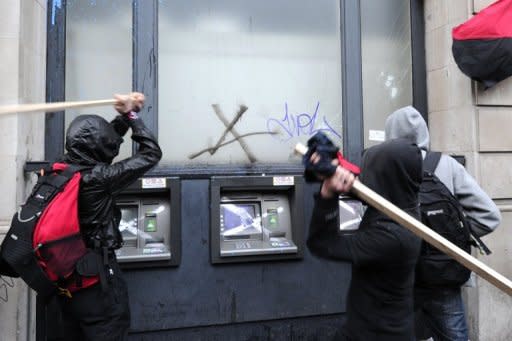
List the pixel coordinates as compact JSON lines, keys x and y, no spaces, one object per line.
{"x":90,"y":140}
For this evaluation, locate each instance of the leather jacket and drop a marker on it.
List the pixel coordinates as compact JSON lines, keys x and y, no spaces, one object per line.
{"x":92,"y":141}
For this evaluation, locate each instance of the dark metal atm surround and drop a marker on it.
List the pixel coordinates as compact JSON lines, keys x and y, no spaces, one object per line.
{"x":221,"y":186}
{"x":172,"y":192}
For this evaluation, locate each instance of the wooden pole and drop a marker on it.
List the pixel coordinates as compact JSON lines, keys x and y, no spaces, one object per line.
{"x":49,"y":107}
{"x":424,"y":232}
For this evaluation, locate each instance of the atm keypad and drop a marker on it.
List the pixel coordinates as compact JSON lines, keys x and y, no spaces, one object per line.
{"x":243,"y":245}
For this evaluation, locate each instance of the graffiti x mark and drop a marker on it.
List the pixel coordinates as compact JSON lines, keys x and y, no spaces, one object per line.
{"x":230,"y":128}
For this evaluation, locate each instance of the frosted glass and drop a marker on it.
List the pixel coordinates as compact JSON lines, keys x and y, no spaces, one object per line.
{"x":281,"y":59}
{"x":387,"y":63}
{"x":98,"y":56}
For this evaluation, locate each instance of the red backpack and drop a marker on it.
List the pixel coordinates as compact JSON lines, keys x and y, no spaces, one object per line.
{"x":44,"y":244}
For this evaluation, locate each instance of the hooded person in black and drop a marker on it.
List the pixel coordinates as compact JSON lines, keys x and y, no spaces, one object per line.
{"x":383,"y":253}
{"x":101,"y":311}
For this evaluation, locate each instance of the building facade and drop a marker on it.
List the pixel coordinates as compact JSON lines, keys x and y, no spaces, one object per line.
{"x":294,"y":71}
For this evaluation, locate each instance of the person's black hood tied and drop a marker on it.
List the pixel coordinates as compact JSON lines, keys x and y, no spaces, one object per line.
{"x":393,"y":169}
{"x":90,"y":139}
{"x":327,"y":151}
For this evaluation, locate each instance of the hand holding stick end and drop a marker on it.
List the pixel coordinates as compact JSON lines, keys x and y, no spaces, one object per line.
{"x":301,"y":149}
{"x":341,"y":181}
{"x":125,"y":104}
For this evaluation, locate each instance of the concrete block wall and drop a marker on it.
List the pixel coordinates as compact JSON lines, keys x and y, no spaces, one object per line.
{"x":466,"y":120}
{"x":23,"y":47}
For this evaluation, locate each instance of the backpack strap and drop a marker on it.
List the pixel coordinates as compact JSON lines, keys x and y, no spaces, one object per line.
{"x":70,"y":170}
{"x":77,"y":168}
{"x":63,"y":169}
{"x":479,"y":244}
{"x":431,"y":161}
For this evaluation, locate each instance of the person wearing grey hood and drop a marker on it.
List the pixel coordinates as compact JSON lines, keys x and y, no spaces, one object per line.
{"x":440,"y":311}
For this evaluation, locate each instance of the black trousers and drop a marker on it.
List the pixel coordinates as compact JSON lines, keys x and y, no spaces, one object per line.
{"x":95,"y":313}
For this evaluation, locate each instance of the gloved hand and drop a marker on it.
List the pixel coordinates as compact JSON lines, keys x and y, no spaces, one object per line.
{"x":326,"y":152}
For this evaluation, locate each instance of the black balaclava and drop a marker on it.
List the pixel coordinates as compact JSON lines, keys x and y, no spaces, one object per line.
{"x":393,"y":169}
{"x":90,"y":140}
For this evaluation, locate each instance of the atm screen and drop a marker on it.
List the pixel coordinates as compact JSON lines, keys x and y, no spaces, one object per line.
{"x":240,"y":219}
{"x":129,"y":222}
{"x":351,"y":213}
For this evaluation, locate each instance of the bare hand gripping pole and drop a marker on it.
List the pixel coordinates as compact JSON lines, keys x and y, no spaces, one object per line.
{"x":424,"y":232}
{"x":57,"y":106}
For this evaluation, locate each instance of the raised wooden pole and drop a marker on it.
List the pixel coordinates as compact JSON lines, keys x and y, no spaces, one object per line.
{"x":49,"y":107}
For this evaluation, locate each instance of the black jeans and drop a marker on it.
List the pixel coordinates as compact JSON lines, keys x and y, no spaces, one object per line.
{"x":98,"y":314}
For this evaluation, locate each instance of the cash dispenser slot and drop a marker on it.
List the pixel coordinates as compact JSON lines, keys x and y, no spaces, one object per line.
{"x":255,"y":219}
{"x":149,"y":224}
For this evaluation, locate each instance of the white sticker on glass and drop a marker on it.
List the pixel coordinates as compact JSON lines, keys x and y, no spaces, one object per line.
{"x":153,"y":183}
{"x":377,"y":135}
{"x":283,"y":180}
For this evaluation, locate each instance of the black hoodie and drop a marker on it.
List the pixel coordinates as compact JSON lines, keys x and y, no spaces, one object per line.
{"x":92,"y":141}
{"x":383,"y":253}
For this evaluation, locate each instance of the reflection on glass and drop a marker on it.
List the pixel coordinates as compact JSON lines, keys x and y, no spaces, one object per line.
{"x":98,"y":55}
{"x":280,"y":59}
{"x":240,"y":219}
{"x":351,"y":214}
{"x":387,"y":63}
{"x":128,"y":224}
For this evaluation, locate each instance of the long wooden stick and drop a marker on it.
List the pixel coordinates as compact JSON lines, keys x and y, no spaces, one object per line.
{"x":424,"y":232}
{"x":56,"y":106}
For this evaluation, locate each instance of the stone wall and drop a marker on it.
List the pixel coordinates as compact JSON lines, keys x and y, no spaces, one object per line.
{"x":22,"y":71}
{"x":466,"y":120}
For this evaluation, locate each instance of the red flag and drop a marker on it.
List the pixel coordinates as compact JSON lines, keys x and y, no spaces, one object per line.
{"x":482,"y":46}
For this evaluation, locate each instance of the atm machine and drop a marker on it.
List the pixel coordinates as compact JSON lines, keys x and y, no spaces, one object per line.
{"x":150,"y":223}
{"x":256,"y":218}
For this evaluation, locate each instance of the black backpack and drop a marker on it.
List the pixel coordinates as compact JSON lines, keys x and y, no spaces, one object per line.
{"x":442,"y":212}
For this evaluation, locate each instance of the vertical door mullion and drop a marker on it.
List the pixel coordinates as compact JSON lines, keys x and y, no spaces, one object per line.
{"x":419,"y":68}
{"x":55,"y":77}
{"x":145,"y":56}
{"x":352,"y":88}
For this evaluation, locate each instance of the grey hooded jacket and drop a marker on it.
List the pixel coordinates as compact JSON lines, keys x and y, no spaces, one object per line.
{"x":479,"y":207}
